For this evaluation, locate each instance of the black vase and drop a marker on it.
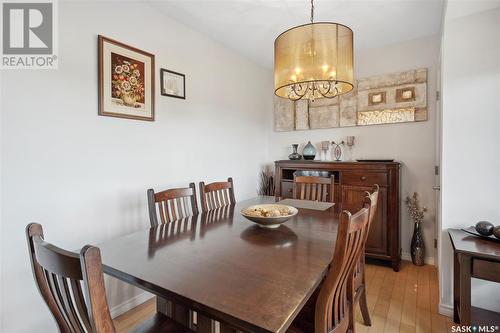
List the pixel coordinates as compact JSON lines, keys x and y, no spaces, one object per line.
{"x":417,"y":246}
{"x":295,"y":156}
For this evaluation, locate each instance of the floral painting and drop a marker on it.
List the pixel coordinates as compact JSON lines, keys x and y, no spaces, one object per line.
{"x":126,"y":81}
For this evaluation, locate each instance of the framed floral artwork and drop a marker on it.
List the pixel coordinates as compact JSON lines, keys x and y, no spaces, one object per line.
{"x":173,"y":84}
{"x":126,"y":81}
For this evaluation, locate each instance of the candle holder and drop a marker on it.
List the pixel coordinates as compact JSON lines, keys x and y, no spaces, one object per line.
{"x":325,"y":146}
{"x":337,"y":150}
{"x":350,"y":145}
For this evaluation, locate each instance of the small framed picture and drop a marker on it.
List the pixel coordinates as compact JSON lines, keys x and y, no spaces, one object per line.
{"x":126,"y":81}
{"x":173,"y":84}
{"x":376,"y":98}
{"x":405,"y":94}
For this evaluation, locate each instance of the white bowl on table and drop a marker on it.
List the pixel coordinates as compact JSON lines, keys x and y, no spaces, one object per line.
{"x":273,"y":220}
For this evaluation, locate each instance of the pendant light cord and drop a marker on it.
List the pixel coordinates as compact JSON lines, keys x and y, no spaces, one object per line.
{"x":312,"y":11}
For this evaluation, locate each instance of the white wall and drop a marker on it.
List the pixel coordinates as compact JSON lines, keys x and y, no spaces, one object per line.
{"x":471,"y":138}
{"x":84,"y":177}
{"x":411,"y":143}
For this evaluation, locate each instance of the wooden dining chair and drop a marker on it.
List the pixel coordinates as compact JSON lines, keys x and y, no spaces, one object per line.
{"x":313,"y":188}
{"x":332,"y":310}
{"x":172,"y":204}
{"x":358,"y":279}
{"x":216,"y":195}
{"x":59,"y":275}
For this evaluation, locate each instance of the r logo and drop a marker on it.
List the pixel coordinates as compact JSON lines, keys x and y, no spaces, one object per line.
{"x":27,"y":28}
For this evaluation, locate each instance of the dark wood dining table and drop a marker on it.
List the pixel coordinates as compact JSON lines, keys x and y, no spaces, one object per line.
{"x":226,"y":268}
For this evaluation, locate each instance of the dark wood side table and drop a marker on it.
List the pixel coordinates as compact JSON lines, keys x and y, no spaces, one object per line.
{"x":473,"y":258}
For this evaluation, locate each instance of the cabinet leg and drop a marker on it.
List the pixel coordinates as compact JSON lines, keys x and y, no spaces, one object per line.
{"x":395,"y":265}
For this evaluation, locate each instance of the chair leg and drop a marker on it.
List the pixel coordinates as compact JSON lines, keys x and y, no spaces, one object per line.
{"x":363,"y":304}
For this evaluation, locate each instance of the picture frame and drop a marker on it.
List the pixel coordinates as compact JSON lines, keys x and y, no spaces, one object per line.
{"x":173,"y":84}
{"x":126,"y":81}
{"x":406,"y":94}
{"x":376,"y":98}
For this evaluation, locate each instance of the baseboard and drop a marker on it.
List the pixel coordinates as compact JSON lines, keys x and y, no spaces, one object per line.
{"x":445,"y":309}
{"x":427,"y":260}
{"x":130,"y":304}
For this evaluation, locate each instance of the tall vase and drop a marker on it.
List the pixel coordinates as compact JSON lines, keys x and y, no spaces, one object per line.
{"x":417,"y":246}
{"x":295,"y":156}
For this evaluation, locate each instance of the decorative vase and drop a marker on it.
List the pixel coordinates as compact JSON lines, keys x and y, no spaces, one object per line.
{"x":129,"y":99}
{"x":295,"y":156}
{"x":309,"y":151}
{"x":417,"y":246}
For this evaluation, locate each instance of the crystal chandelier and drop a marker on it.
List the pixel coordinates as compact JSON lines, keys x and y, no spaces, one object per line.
{"x":314,"y":60}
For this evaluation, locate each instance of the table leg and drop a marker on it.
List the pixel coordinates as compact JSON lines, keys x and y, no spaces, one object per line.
{"x":180,"y":314}
{"x":162,"y":306}
{"x":464,"y":291}
{"x":175,"y":311}
{"x":205,"y":324}
{"x":456,"y":288}
{"x":224,"y":328}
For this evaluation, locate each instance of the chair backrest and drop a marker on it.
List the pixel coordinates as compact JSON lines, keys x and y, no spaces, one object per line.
{"x":59,"y":275}
{"x":165,"y":234}
{"x":370,"y":202}
{"x":332,"y":312}
{"x":172,"y":204}
{"x":313,"y":188}
{"x":216,"y":195}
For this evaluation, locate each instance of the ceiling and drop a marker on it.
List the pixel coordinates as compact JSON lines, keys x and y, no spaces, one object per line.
{"x":457,"y":8}
{"x":250,"y":26}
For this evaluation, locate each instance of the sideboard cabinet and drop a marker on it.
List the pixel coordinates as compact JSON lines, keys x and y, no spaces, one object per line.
{"x":352,"y":179}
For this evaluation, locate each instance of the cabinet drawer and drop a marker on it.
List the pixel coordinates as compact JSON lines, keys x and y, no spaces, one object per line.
{"x":486,"y":270}
{"x":364,"y":178}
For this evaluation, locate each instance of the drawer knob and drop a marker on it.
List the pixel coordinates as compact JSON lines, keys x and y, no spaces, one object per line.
{"x":363,"y":177}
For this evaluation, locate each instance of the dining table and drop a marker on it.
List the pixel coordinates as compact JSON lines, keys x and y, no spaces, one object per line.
{"x":218,"y":268}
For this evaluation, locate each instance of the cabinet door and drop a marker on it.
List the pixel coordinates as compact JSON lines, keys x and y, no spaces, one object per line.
{"x":352,"y":200}
{"x":286,"y":190}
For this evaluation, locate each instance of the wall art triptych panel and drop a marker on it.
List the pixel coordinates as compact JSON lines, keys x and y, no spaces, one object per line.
{"x":385,"y":99}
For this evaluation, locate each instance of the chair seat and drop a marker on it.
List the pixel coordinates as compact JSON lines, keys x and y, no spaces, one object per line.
{"x":161,"y":323}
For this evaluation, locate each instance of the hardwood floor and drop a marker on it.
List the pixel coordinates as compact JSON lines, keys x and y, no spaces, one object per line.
{"x":404,"y":301}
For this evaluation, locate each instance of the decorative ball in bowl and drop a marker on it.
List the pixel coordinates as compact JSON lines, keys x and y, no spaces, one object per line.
{"x":485,"y":228}
{"x":496,"y":231}
{"x":269,"y":215}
